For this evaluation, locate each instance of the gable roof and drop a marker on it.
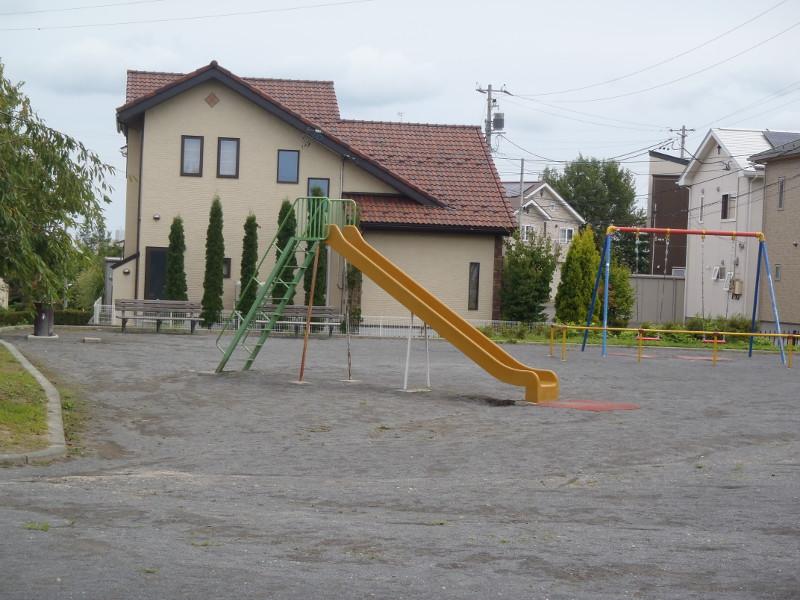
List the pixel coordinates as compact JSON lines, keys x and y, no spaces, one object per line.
{"x":529,"y":195}
{"x":738,"y":145}
{"x":444,"y":174}
{"x":314,"y":99}
{"x":788,"y":150}
{"x":512,"y":189}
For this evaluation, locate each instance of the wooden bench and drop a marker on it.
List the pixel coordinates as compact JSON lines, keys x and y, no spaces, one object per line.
{"x":295,"y":315}
{"x":158,"y":311}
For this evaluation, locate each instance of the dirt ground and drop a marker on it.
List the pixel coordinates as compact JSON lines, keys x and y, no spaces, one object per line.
{"x":246,"y":485}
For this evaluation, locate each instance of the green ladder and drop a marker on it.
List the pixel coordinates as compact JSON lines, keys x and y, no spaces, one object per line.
{"x":313,"y":216}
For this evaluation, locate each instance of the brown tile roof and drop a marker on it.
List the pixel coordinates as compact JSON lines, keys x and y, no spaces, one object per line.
{"x":450,"y":162}
{"x":447,"y":164}
{"x":315,"y":100}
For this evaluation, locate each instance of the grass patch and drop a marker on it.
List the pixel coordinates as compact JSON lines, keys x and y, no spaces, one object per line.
{"x":37,"y":526}
{"x":75,"y":414}
{"x":23,"y":407}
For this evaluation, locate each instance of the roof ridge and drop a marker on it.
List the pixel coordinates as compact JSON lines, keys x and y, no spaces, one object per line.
{"x":378,"y":121}
{"x":154,"y":72}
{"x":330,"y":81}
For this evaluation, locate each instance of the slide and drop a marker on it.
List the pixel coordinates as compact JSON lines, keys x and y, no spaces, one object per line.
{"x":541,"y":385}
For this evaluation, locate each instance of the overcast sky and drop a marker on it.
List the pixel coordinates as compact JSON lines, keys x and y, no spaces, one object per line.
{"x":423,"y":59}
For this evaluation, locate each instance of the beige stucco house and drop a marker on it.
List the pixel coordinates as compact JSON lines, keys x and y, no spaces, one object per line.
{"x":429,"y":195}
{"x":725,"y":193}
{"x":544,"y":212}
{"x":781,"y":226}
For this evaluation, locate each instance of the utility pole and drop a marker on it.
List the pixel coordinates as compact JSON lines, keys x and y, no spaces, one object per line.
{"x":521,"y":193}
{"x":488,"y":123}
{"x":683,"y":132}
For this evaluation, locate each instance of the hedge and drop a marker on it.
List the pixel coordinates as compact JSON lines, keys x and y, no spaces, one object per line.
{"x":72,"y":316}
{"x":15,"y":317}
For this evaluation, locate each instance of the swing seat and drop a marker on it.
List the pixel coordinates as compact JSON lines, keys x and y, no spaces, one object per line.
{"x":645,"y":338}
{"x":713,"y":341}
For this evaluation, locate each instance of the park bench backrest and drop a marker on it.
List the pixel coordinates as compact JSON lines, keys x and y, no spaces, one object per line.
{"x":157,"y":306}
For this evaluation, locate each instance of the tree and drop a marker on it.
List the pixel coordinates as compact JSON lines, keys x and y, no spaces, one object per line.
{"x":215,"y":264}
{"x":322,"y":266}
{"x":50,"y":185}
{"x":527,"y":274}
{"x":175,"y":285}
{"x":287,"y":229}
{"x":620,"y":295}
{"x":577,"y":278}
{"x":604,"y":193}
{"x":248,"y":266}
{"x":90,"y":283}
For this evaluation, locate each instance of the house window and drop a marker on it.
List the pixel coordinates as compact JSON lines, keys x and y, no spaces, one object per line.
{"x":226,"y":269}
{"x":781,"y":186}
{"x":728,"y":208}
{"x":778,"y":269}
{"x":474,"y":279}
{"x":702,"y":208}
{"x":288,"y":166}
{"x":565,"y":235}
{"x":228,"y":157}
{"x":192,"y":155}
{"x":527,"y":232}
{"x":321,"y":184}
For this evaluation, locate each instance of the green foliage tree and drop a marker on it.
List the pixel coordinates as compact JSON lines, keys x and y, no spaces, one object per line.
{"x":528,"y":269}
{"x":248,"y":266}
{"x":89,"y":283}
{"x":287,"y":229}
{"x":215,"y":264}
{"x":50,"y":185}
{"x":322,"y":268}
{"x":175,"y":285}
{"x":620,"y":295}
{"x":577,"y":278}
{"x":604,"y":193}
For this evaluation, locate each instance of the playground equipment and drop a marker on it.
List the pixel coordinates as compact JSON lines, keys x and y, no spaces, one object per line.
{"x":605,"y":267}
{"x":333,"y":222}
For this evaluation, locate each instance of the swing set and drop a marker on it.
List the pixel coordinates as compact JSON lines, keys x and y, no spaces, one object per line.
{"x":604,"y":268}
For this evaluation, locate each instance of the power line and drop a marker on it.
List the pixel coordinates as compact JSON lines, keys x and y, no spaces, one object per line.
{"x":688,"y":75}
{"x":661,"y":62}
{"x":76,"y":8}
{"x":192,"y":18}
{"x":585,"y":121}
{"x":781,"y":92}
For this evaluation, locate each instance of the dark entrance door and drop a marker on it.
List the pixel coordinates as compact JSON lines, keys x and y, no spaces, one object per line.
{"x":155,"y":273}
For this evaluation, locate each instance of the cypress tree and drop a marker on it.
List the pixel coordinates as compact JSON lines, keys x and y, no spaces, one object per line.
{"x":577,"y":278}
{"x":322,"y":268}
{"x":248,"y":266}
{"x":175,"y":287}
{"x":215,"y":263}
{"x":620,"y":295}
{"x":287,"y":229}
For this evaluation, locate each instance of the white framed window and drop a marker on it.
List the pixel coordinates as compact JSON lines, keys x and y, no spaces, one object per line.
{"x":702,"y":208}
{"x":728,"y":208}
{"x":526,"y":232}
{"x":565,"y":235}
{"x":781,"y":191}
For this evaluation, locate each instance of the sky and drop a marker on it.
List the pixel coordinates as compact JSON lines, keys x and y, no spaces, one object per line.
{"x":577,"y":72}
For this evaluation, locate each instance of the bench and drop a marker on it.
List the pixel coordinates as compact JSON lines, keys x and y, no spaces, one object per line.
{"x":158,"y":311}
{"x":295,"y":315}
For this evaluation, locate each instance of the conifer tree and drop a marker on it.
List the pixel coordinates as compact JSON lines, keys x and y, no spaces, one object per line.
{"x":287,"y":229}
{"x":577,"y":278}
{"x":248,"y":265}
{"x":175,"y":286}
{"x":528,"y":269}
{"x":620,"y":295}
{"x":215,"y":263}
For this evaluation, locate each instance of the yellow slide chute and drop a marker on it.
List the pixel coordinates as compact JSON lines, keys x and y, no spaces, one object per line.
{"x":541,"y":385}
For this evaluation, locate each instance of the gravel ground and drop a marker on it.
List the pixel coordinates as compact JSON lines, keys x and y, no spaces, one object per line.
{"x":249,"y":486}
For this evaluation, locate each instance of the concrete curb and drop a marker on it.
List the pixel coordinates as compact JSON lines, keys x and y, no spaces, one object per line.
{"x":55,"y":425}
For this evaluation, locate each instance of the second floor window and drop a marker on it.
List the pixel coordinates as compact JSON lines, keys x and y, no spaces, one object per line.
{"x":728,"y":208}
{"x":192,"y":155}
{"x":319,"y":186}
{"x":527,"y":232}
{"x":228,"y":157}
{"x":288,"y":166}
{"x":565,"y":235}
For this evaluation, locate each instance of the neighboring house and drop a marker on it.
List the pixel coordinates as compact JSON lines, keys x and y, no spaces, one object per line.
{"x":544,"y":212}
{"x":725,"y":193}
{"x":429,"y":195}
{"x":667,"y":206}
{"x":781,"y":227}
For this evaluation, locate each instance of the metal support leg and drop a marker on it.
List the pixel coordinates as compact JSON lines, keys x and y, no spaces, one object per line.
{"x":605,"y":295}
{"x":427,"y":358}
{"x":408,"y":354}
{"x":590,"y":315}
{"x":755,"y":296}
{"x":768,"y":269}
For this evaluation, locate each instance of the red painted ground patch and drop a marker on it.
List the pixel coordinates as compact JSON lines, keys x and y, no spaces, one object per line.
{"x":630,"y":354}
{"x":691,"y":357}
{"x":592,"y":405}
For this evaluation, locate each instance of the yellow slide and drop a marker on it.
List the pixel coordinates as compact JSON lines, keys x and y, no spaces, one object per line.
{"x":541,"y":385}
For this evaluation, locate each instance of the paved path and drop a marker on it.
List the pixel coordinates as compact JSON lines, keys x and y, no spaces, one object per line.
{"x":247,"y":486}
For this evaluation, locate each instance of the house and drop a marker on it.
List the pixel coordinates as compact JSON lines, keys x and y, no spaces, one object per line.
{"x":781,"y":227}
{"x":544,"y":212}
{"x":429,"y":196}
{"x":667,"y":206}
{"x":725,"y":193}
